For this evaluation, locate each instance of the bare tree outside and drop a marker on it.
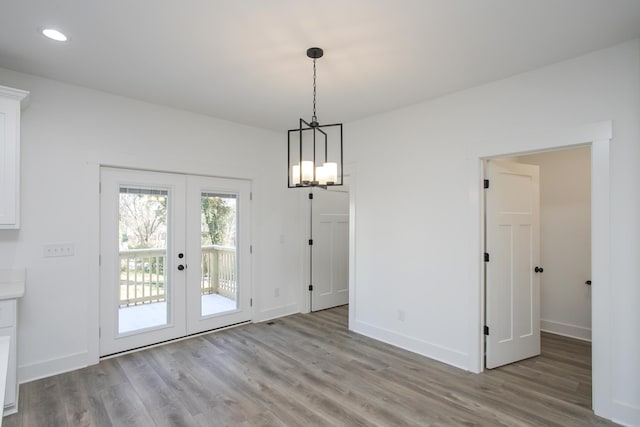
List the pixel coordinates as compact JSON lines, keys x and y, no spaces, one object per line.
{"x":143,"y":220}
{"x":143,"y":242}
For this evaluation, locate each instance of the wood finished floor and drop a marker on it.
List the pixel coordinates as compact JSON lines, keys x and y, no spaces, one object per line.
{"x":307,"y":370}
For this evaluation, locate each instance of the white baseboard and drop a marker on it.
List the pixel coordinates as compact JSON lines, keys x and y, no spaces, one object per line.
{"x":625,"y":414}
{"x":47,"y":368}
{"x":565,"y":329}
{"x":276,"y":312}
{"x":424,"y":348}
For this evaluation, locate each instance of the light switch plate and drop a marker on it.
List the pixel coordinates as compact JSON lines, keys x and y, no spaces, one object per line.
{"x":58,"y":249}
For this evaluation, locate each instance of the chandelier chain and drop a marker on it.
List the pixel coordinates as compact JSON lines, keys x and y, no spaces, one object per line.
{"x":314,"y":118}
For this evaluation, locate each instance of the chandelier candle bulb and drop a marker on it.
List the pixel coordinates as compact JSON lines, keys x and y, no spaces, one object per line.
{"x":307,"y":172}
{"x":331,"y":172}
{"x":295,"y":174}
{"x":321,"y":175}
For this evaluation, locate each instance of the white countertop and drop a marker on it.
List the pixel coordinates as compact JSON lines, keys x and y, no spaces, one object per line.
{"x":12,"y":283}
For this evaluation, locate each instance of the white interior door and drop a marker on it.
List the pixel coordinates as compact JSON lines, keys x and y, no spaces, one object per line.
{"x":512,"y":242}
{"x":175,"y":256}
{"x":330,"y":249}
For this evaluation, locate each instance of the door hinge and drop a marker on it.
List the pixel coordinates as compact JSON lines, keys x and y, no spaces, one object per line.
{"x":486,"y":330}
{"x":310,"y":242}
{"x":310,"y":196}
{"x":99,"y":260}
{"x":311,"y":287}
{"x":250,"y":302}
{"x":251,"y":195}
{"x":250,"y":249}
{"x":486,"y":183}
{"x":486,"y":257}
{"x":99,"y":188}
{"x":99,"y":332}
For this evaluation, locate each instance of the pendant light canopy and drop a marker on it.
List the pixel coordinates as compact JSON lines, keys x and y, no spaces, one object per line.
{"x":314,"y":151}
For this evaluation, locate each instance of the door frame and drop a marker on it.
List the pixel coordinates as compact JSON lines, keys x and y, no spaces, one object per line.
{"x":313,"y":235}
{"x":92,"y":227}
{"x":307,"y":229}
{"x":305,"y":206}
{"x":598,"y":136}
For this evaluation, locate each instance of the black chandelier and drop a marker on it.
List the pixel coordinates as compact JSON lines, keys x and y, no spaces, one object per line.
{"x":314,"y":154}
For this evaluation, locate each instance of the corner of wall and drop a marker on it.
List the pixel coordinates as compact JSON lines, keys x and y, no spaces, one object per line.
{"x":273,"y":313}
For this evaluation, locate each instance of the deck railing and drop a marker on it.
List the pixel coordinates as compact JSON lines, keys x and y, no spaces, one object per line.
{"x":142,"y":274}
{"x":218,"y":271}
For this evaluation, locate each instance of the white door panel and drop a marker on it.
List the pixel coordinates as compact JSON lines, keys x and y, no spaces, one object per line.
{"x":130,"y":276}
{"x":330,"y":251}
{"x":230,"y":302}
{"x":512,"y":241}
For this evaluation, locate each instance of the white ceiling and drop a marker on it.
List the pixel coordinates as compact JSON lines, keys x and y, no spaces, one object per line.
{"x":245,"y":61}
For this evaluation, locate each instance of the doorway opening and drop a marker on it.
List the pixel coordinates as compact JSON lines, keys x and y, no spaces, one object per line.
{"x":562,"y":275}
{"x":598,"y":136}
{"x":565,"y":238}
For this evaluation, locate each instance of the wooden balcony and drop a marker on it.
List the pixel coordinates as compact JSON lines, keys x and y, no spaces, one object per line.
{"x":142,"y":274}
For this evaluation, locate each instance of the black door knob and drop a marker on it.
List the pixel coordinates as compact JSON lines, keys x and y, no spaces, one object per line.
{"x":181,"y":267}
{"x":538,"y":269}
{"x":180,"y":255}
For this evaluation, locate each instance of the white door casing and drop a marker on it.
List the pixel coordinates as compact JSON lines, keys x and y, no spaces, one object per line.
{"x":330,"y":250}
{"x":599,"y":136}
{"x":513,"y":245}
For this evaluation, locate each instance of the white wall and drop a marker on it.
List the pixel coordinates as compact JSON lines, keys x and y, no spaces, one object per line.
{"x":417,"y":226}
{"x":565,"y":240}
{"x":67,"y":131}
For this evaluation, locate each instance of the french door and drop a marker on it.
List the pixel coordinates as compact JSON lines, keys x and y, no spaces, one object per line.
{"x":174,"y":256}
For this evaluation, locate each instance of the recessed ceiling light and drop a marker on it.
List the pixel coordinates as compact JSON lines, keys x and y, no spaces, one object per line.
{"x":54,"y":34}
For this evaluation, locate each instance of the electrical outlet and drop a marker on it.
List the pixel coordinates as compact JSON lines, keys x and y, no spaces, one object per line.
{"x":401,"y":315}
{"x":276,"y":292}
{"x":58,"y":249}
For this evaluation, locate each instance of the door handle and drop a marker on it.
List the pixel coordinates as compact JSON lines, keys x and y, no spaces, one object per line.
{"x":588,"y":282}
{"x":538,"y":269}
{"x":181,"y":267}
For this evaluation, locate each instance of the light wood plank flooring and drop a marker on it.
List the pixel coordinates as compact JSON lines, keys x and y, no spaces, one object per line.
{"x":308,"y":369}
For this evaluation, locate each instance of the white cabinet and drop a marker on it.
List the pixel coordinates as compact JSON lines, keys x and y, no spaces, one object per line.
{"x":10,"y":100}
{"x":12,"y":284}
{"x":8,"y":329}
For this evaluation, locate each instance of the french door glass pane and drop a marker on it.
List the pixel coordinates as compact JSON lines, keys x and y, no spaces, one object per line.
{"x":218,"y":241}
{"x":143,"y":292}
